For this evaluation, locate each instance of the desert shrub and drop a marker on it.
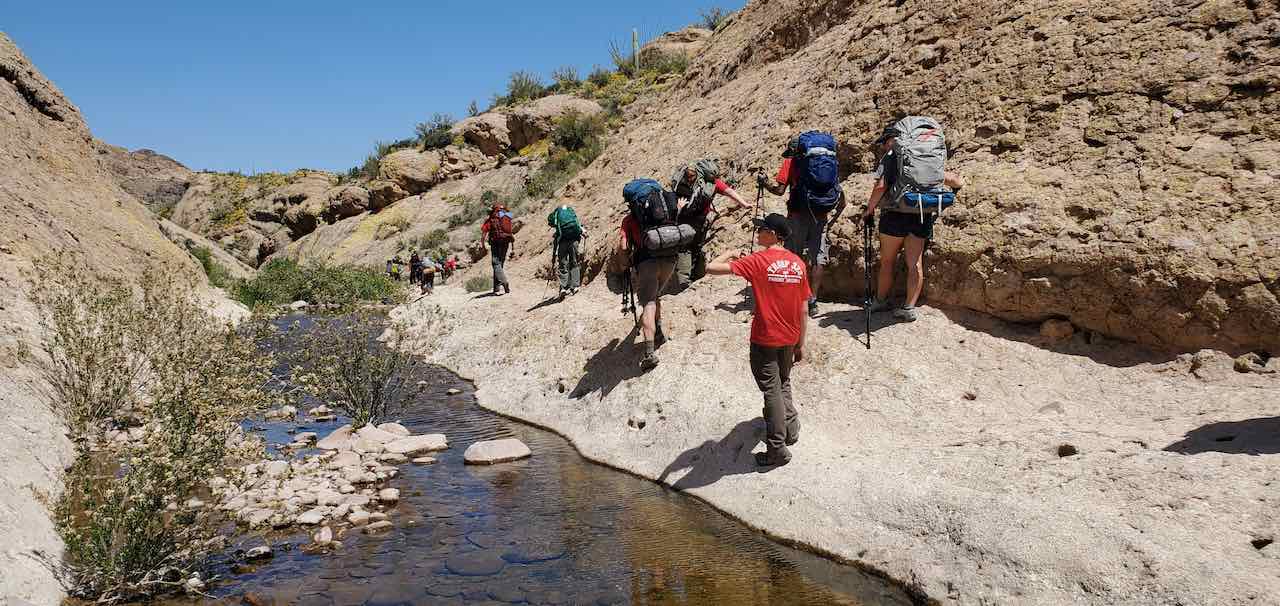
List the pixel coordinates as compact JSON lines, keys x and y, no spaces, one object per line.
{"x":524,"y":86}
{"x":479,"y":283}
{"x":712,"y":18}
{"x":282,"y":281}
{"x":366,"y":381}
{"x":434,"y":134}
{"x":473,"y":108}
{"x":188,"y":379}
{"x":434,"y":239}
{"x":599,"y":76}
{"x":665,"y":62}
{"x":565,"y":78}
{"x":575,"y":131}
{"x":390,"y":227}
{"x":217,"y":273}
{"x":470,"y":209}
{"x":624,"y":60}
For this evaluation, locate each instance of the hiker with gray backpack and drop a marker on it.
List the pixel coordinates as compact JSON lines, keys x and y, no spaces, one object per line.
{"x":811,"y":169}
{"x":698,"y":184}
{"x":912,"y":190}
{"x":566,"y":257}
{"x":652,"y":237}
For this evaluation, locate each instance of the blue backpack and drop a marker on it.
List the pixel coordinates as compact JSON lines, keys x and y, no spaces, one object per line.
{"x":814,"y":159}
{"x":649,"y":203}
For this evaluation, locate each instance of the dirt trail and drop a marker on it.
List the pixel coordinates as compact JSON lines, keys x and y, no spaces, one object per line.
{"x":933,"y":457}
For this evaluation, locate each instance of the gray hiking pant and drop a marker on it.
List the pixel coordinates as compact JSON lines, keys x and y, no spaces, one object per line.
{"x":771,"y":367}
{"x":499,"y":251}
{"x":568,"y":265}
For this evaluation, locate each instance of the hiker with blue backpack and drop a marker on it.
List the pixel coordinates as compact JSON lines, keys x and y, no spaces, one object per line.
{"x":810,"y":168}
{"x":566,"y":257}
{"x":912,"y":190}
{"x":652,"y":237}
{"x":698,"y":184}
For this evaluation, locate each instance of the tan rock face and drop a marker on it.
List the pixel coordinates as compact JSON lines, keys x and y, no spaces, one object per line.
{"x":688,"y":42}
{"x":509,"y":129}
{"x":156,"y":180}
{"x":1121,"y":156}
{"x":56,"y":196}
{"x":416,"y":171}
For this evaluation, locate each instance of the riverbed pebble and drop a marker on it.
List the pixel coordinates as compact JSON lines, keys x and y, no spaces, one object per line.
{"x":358,"y":518}
{"x":323,"y":537}
{"x":258,"y":553}
{"x":374,"y":434}
{"x":339,"y":439}
{"x":377,"y":526}
{"x":453,"y":391}
{"x":395,"y":429}
{"x":424,"y":460}
{"x":418,"y":444}
{"x":389,"y":495}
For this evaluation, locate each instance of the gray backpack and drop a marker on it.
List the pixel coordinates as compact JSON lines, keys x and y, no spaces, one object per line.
{"x":920,"y":154}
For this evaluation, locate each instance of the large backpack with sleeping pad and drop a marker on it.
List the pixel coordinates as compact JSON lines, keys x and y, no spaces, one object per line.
{"x":818,"y":170}
{"x":655,"y":210}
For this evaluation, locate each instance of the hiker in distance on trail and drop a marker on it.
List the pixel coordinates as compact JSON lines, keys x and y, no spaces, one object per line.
{"x":566,"y":252}
{"x":810,"y":168}
{"x":697,"y":184}
{"x":912,"y":190}
{"x":499,"y":231}
{"x":779,"y":322}
{"x":652,"y":237}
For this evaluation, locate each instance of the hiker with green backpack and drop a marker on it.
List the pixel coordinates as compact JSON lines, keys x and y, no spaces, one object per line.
{"x":811,"y":169}
{"x":698,"y":184}
{"x":567,"y":235}
{"x":912,"y":190}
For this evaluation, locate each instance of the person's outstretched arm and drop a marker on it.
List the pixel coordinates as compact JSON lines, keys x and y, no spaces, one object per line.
{"x":719,"y":266}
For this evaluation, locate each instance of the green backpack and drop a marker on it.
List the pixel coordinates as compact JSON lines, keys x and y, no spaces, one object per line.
{"x":566,"y":224}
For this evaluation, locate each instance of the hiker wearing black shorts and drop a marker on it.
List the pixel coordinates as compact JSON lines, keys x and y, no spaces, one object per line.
{"x":906,"y":231}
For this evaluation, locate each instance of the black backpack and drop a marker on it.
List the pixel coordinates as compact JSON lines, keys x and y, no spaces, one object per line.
{"x":656,"y":211}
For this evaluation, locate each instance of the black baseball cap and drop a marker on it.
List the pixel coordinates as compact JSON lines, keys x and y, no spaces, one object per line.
{"x":775,"y":223}
{"x":889,"y":132}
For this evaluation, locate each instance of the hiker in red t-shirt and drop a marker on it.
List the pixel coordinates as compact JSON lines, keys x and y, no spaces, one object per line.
{"x":499,"y":231}
{"x":780,"y":283}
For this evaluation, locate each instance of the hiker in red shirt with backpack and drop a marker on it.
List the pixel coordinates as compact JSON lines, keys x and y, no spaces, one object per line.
{"x":811,"y":169}
{"x":779,"y":322}
{"x":501,"y":235}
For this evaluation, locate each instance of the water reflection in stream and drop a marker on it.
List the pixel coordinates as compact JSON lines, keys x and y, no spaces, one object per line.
{"x":553,"y":529}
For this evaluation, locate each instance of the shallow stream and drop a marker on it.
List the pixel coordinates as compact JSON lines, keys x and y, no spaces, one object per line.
{"x":551,"y":529}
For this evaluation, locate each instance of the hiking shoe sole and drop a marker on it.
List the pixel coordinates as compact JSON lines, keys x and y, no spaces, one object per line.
{"x":649,"y":363}
{"x":764,"y":459}
{"x":906,"y":314}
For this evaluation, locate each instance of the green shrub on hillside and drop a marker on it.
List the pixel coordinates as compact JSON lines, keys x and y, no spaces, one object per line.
{"x":714,"y":17}
{"x":473,"y":108}
{"x":434,"y":239}
{"x":435,"y":134}
{"x":565,"y":78}
{"x":524,"y":86}
{"x":283,"y":281}
{"x":599,"y":76}
{"x":575,"y":131}
{"x":479,"y":284}
{"x":470,"y":210}
{"x":217,"y":273}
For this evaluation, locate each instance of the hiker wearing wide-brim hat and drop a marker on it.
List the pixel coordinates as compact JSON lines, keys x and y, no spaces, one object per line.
{"x":780,"y":283}
{"x":902,"y":230}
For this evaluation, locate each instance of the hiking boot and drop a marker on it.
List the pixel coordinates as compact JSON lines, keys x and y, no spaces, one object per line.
{"x":813,"y":306}
{"x":659,"y":337}
{"x":573,"y":291}
{"x":773,"y":458}
{"x":649,"y":362}
{"x":906,"y":313}
{"x":506,"y":287}
{"x":879,"y":305}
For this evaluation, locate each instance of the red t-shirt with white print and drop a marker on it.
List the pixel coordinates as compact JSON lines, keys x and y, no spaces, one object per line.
{"x":780,"y":289}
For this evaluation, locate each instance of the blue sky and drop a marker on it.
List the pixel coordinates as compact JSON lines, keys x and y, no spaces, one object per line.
{"x":256,"y":86}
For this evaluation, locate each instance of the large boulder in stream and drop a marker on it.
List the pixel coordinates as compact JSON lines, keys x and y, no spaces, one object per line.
{"x":489,"y":452}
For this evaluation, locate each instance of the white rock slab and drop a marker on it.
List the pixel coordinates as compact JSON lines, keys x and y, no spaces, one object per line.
{"x":489,"y":452}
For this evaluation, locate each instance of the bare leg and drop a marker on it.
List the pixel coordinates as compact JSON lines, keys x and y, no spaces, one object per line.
{"x":815,"y":278}
{"x":889,"y":247}
{"x":649,"y":320}
{"x":915,"y":268}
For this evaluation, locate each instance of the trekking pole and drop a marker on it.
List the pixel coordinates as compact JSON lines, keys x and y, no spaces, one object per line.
{"x":866,"y":274}
{"x":755,"y":214}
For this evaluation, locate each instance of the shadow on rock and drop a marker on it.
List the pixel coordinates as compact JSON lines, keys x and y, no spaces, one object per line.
{"x":616,"y":362}
{"x":743,"y":304}
{"x":546,"y":303}
{"x":715,"y":459}
{"x":1251,"y":436}
{"x":854,"y":321}
{"x":1088,"y":344}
